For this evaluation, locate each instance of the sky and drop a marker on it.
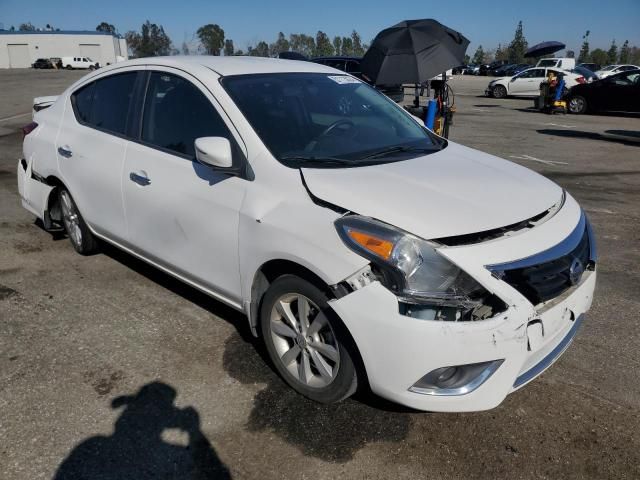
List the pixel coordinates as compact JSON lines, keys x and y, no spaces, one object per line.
{"x":249,"y":21}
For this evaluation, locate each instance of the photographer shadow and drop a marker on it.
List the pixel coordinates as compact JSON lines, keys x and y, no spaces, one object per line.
{"x":136,"y":449}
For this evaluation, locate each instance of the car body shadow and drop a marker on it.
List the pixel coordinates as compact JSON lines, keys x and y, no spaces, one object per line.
{"x":137,"y":450}
{"x":615,"y":138}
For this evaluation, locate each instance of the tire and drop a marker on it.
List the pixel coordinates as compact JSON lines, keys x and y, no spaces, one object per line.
{"x":317,"y":364}
{"x":577,"y":105}
{"x":69,"y":67}
{"x":499,"y":91}
{"x":92,"y":68}
{"x":83,"y":241}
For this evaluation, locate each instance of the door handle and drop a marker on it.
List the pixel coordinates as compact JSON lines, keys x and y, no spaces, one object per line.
{"x":140,"y":178}
{"x":65,"y":151}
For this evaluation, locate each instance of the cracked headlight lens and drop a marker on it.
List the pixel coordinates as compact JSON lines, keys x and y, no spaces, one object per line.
{"x":411,"y":267}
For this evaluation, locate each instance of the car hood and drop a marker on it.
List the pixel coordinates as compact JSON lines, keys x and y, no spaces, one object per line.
{"x":453,"y":192}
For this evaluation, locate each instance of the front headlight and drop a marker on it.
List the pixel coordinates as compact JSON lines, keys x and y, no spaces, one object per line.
{"x":410,"y":267}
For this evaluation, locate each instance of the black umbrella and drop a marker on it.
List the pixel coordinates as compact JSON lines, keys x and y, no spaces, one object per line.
{"x":544,"y":48}
{"x":413,"y":51}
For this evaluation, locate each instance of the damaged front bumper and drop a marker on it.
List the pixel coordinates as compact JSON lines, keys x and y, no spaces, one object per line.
{"x":397,"y":350}
{"x":403,"y":354}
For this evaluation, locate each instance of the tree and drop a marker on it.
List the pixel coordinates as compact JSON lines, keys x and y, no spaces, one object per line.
{"x":151,"y":41}
{"x":570,"y":54}
{"x":301,"y":43}
{"x":12,"y":29}
{"x":185,"y":48}
{"x":280,"y":45}
{"x":228,"y":47}
{"x":324,"y":47}
{"x":212,"y":38}
{"x":239,"y":52}
{"x":358,"y":49}
{"x":337,"y":45}
{"x":583,"y":56}
{"x":634,"y":55}
{"x":106,"y":28}
{"x":347,"y":46}
{"x":27,"y":27}
{"x":501,"y":53}
{"x":624,"y":52}
{"x":598,"y":56}
{"x":467,"y":59}
{"x":612,"y":53}
{"x":518,"y":46}
{"x":478,"y":57}
{"x":260,"y":50}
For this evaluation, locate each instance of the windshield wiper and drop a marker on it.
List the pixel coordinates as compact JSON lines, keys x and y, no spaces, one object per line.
{"x":311,"y":161}
{"x":397,"y":149}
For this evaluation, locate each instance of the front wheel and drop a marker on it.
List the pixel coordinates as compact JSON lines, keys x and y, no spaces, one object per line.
{"x":577,"y":104}
{"x":306,"y":341}
{"x":499,"y":91}
{"x":79,"y":234}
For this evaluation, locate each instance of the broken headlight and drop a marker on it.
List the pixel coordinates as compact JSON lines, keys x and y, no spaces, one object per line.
{"x":410,"y":267}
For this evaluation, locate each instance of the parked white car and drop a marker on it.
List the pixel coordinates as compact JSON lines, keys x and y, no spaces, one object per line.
{"x":527,"y":83}
{"x":364,"y":249}
{"x":613,"y":69}
{"x":82,"y":63}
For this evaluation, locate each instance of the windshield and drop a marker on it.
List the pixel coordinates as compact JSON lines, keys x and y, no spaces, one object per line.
{"x":326,"y":120}
{"x":609,"y":67}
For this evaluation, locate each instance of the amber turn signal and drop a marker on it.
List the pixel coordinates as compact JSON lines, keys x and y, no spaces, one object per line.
{"x":376,"y":245}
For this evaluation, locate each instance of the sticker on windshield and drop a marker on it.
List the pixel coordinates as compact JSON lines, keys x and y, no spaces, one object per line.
{"x":343,"y":79}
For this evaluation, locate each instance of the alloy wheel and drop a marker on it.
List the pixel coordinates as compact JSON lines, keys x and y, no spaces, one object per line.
{"x":71,"y":218}
{"x":304,"y":340}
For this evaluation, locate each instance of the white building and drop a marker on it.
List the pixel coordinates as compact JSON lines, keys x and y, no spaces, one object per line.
{"x":21,"y":49}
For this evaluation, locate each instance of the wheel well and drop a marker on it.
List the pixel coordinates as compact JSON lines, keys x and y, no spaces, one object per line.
{"x":265,"y":276}
{"x":52,"y":212}
{"x":273,"y":269}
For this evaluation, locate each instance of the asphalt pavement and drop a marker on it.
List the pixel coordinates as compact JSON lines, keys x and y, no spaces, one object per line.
{"x":112,"y":369}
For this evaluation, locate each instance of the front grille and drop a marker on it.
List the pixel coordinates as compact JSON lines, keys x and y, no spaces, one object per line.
{"x":545,"y":281}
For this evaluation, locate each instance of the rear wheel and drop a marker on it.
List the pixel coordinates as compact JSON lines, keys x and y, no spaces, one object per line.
{"x":499,"y":91}
{"x":306,"y":341}
{"x":68,"y":67}
{"x":577,"y":104}
{"x":79,"y":234}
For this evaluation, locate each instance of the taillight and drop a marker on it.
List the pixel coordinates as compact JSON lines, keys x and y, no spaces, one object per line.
{"x":581,"y":80}
{"x":27,"y":129}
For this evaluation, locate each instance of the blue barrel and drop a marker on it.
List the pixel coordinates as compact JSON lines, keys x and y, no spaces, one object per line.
{"x":431,"y":114}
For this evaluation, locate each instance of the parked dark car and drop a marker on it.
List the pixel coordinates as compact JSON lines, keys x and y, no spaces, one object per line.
{"x":500,"y":71}
{"x":517,"y":68}
{"x":352,"y":65}
{"x":594,"y":67}
{"x":617,"y":93}
{"x":586,"y":73}
{"x":42,"y":63}
{"x":459,"y":70}
{"x":488,"y":69}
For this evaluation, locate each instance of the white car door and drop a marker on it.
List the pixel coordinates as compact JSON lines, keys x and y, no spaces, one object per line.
{"x":90,"y":146}
{"x":527,"y":83}
{"x":181,"y":214}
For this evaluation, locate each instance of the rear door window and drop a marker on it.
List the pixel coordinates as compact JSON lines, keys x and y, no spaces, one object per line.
{"x":176,"y":112}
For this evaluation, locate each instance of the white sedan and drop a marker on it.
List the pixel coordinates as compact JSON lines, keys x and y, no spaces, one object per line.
{"x":363,"y":249}
{"x":527,"y":83}
{"x":614,"y":69}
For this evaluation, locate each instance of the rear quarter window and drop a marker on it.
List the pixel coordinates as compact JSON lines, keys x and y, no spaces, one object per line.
{"x":105,"y":103}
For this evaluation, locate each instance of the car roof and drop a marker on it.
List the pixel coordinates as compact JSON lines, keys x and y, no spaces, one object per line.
{"x":233,"y":65}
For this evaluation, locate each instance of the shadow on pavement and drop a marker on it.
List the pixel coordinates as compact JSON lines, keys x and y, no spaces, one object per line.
{"x":329,"y":432}
{"x":627,"y":140}
{"x":136,"y":450}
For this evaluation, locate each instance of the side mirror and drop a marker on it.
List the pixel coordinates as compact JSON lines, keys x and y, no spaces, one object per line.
{"x":214,"y":151}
